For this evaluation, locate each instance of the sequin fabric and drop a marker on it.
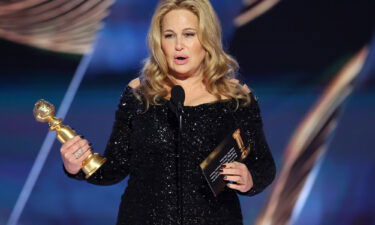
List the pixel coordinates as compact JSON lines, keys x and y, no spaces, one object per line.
{"x":144,"y":145}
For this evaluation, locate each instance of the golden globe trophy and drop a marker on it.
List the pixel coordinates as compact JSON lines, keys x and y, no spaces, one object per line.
{"x":45,"y":112}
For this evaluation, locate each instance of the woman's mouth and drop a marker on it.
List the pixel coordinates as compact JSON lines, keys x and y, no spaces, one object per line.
{"x":181,"y":60}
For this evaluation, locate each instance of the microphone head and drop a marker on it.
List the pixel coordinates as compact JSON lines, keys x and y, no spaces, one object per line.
{"x":177,"y":95}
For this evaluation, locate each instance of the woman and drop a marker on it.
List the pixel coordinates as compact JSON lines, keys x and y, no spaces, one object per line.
{"x":185,"y":49}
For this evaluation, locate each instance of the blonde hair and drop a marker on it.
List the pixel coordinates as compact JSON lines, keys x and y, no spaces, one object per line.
{"x":219,"y":69}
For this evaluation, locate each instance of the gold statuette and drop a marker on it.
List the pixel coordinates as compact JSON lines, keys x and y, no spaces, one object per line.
{"x":244,"y":151}
{"x":45,"y":112}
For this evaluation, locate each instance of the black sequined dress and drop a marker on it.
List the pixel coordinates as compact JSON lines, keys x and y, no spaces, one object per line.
{"x":143,"y":145}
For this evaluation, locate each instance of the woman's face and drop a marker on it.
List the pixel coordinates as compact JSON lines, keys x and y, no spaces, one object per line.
{"x":180,"y":43}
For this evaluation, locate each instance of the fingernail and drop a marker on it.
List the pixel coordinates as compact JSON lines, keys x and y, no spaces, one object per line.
{"x":225,"y":177}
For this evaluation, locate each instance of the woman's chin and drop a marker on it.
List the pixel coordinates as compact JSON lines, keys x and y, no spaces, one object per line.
{"x":181,"y":74}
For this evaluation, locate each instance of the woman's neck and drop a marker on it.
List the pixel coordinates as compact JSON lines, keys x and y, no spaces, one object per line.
{"x":195,"y":90}
{"x":189,"y":83}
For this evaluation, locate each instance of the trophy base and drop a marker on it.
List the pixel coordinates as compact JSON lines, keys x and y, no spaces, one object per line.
{"x":92,"y":163}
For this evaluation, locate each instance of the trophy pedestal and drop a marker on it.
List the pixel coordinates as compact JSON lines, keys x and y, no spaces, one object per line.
{"x":92,"y":163}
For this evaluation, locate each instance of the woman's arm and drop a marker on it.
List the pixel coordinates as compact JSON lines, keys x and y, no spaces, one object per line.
{"x":118,"y":151}
{"x":258,"y":170}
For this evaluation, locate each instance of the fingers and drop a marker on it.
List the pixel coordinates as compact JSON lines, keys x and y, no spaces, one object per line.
{"x":236,"y":186}
{"x":75,"y":150}
{"x":238,"y":176}
{"x":85,"y":155}
{"x":80,"y":152}
{"x":230,"y":171}
{"x":235,"y":179}
{"x":73,"y":145}
{"x":235,"y":182}
{"x":65,"y":147}
{"x":234,"y":165}
{"x":233,"y":168}
{"x":70,"y":142}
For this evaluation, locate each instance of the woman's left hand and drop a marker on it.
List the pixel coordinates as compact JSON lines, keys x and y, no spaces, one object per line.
{"x":238,"y":175}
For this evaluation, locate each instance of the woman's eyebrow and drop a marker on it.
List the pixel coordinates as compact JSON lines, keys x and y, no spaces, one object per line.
{"x":189,"y":28}
{"x":168,"y":30}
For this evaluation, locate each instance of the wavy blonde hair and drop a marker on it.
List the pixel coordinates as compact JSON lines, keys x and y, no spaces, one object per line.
{"x":219,"y":69}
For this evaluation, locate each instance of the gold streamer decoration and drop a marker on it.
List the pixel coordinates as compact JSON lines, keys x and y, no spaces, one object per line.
{"x":309,"y":143}
{"x":67,"y":26}
{"x":255,"y":8}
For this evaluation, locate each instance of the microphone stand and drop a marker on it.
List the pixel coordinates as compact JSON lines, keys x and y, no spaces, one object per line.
{"x":176,"y":105}
{"x":179,"y":154}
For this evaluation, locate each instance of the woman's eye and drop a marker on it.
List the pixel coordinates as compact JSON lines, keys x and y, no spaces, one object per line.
{"x":189,"y":34}
{"x":168,"y":35}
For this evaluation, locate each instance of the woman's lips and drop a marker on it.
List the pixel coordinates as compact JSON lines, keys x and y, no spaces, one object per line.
{"x":181,"y":60}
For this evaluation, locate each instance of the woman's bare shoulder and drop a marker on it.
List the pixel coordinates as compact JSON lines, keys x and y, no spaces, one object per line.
{"x":134,"y":83}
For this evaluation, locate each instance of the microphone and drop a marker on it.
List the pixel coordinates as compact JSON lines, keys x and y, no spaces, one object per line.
{"x":177,"y":99}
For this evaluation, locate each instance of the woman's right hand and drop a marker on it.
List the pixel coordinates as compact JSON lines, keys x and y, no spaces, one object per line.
{"x":73,"y":152}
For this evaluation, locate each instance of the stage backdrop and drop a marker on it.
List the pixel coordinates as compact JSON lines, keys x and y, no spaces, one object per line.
{"x":310,"y":63}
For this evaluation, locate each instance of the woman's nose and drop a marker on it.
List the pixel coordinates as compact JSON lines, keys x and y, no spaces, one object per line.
{"x":178,"y":44}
